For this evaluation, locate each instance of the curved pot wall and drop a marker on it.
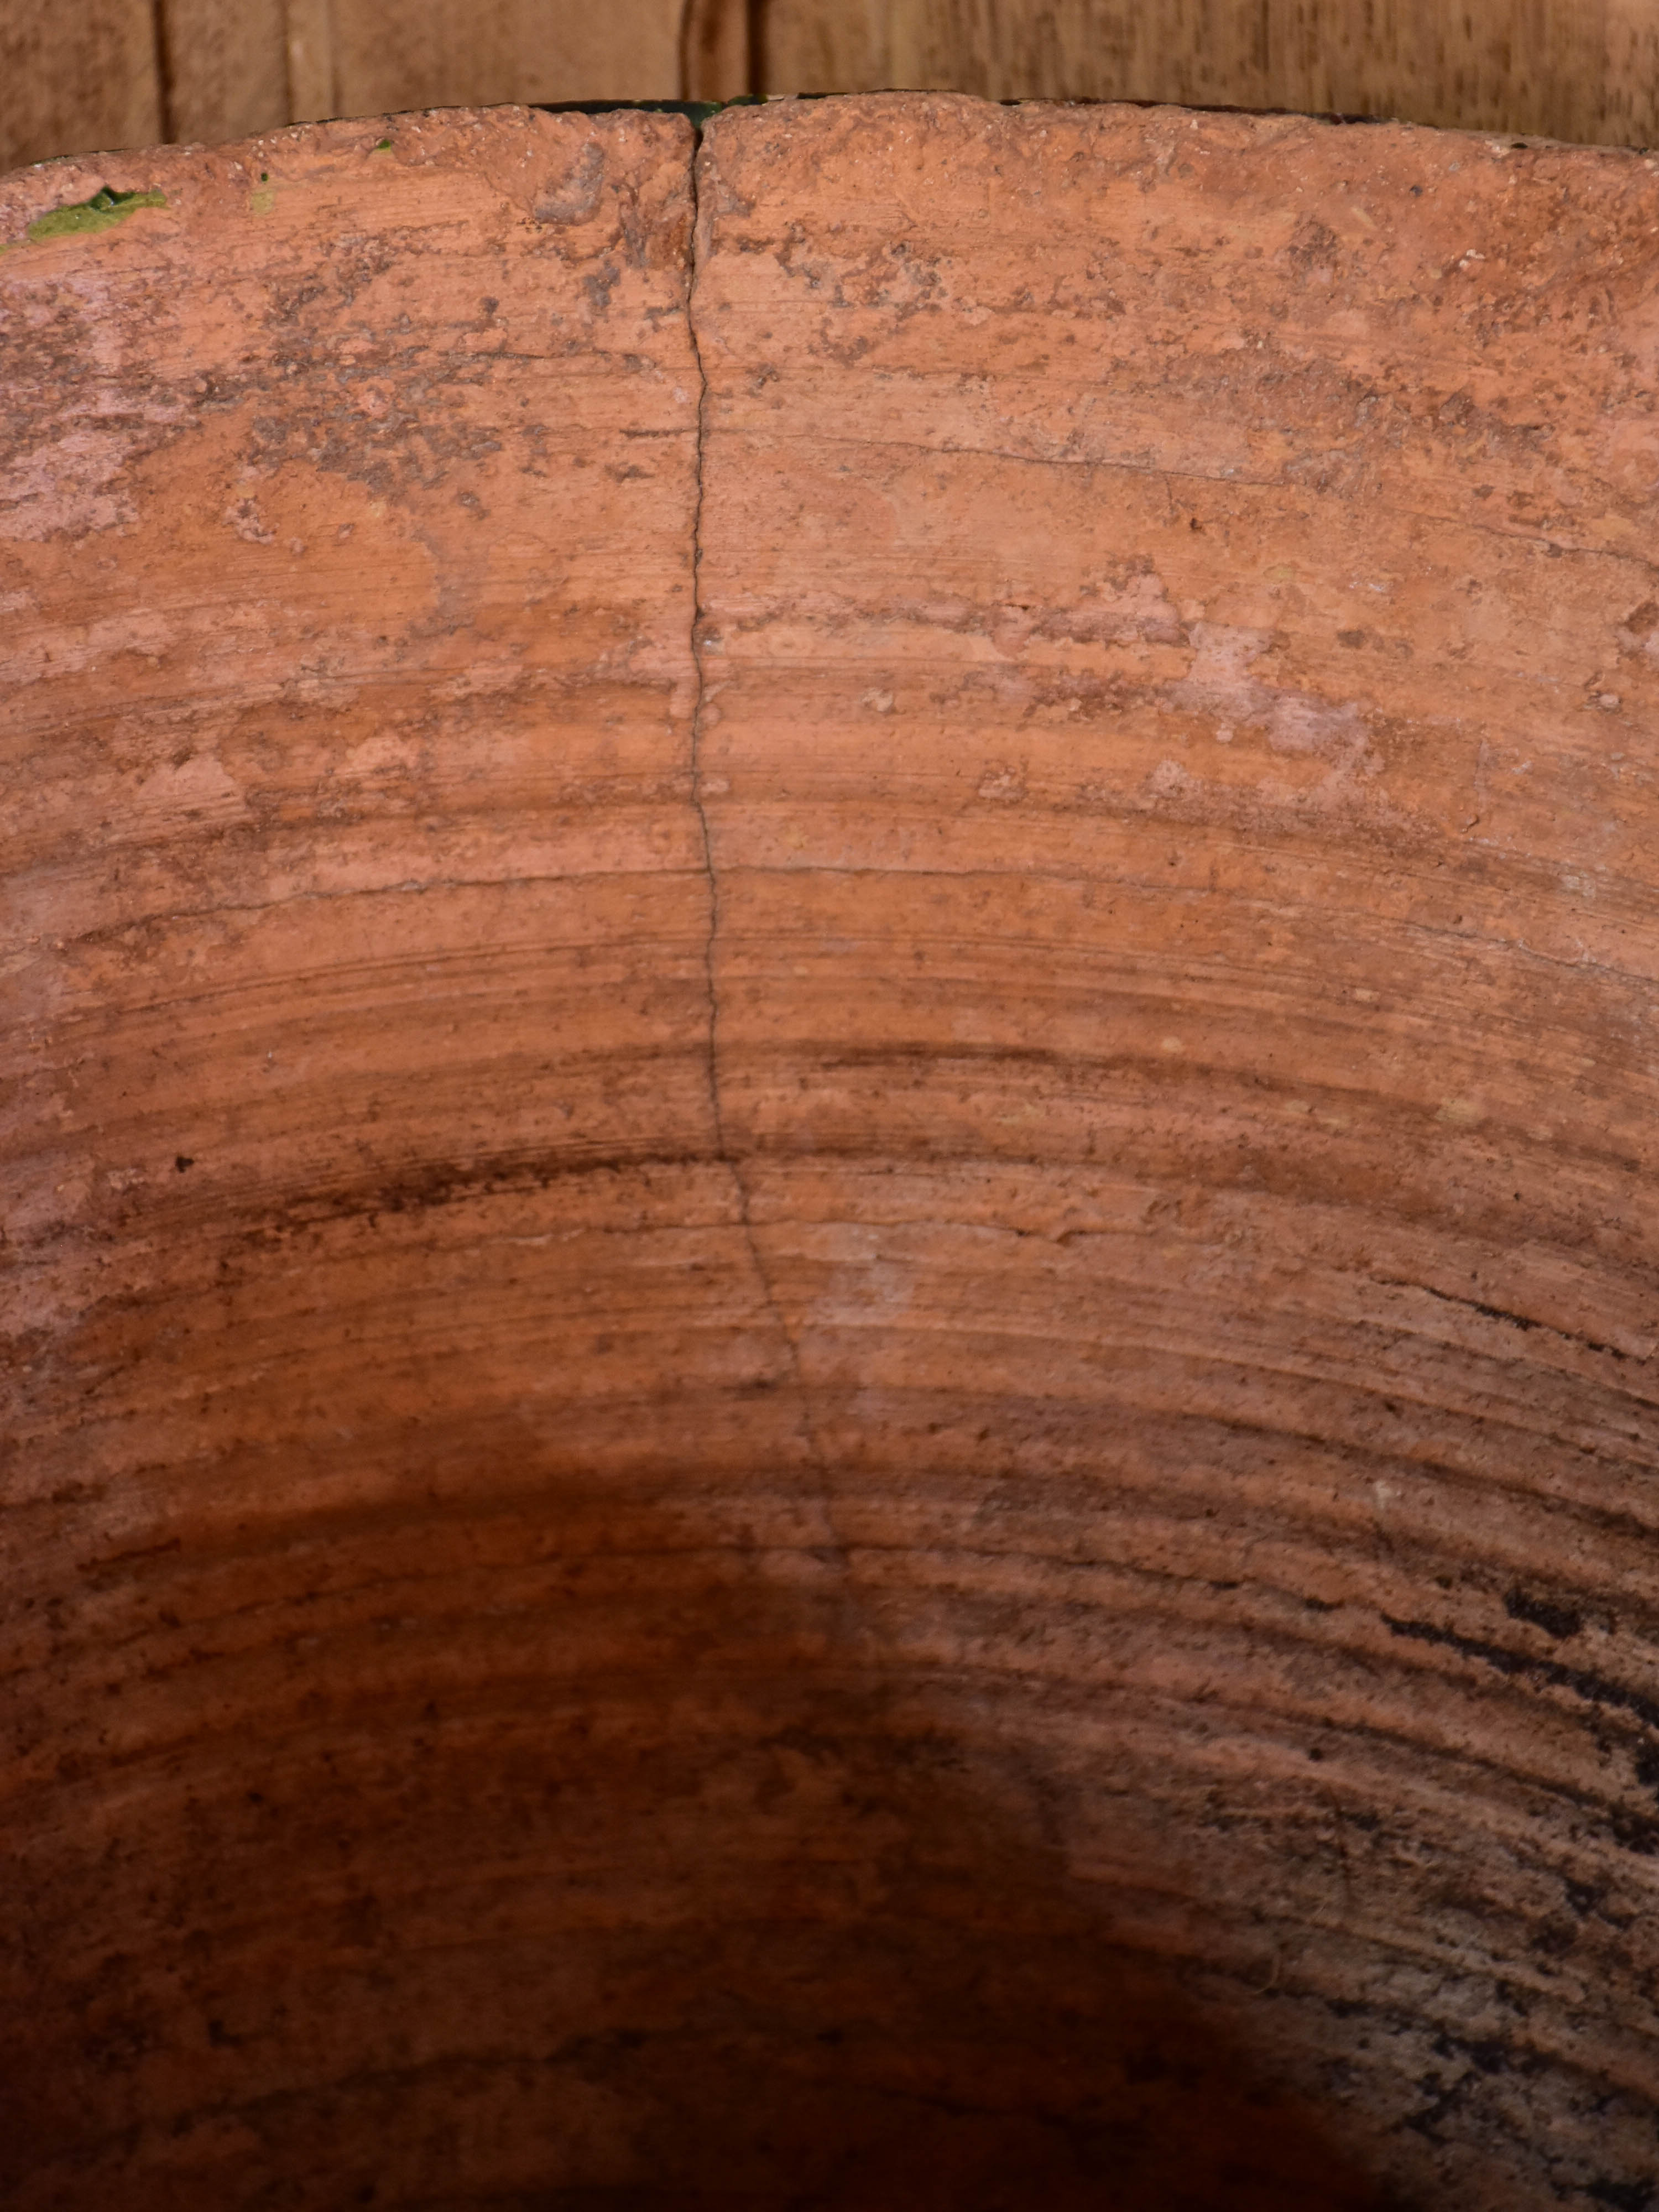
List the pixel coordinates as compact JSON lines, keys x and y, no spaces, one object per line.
{"x":832,"y":1260}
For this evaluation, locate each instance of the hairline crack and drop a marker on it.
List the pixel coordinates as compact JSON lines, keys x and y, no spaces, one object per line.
{"x":724,"y":1152}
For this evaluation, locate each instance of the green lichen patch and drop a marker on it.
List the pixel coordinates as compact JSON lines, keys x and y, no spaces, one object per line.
{"x":101,"y":212}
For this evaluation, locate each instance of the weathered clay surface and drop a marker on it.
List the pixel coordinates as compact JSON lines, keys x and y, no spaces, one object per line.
{"x":1178,"y":621}
{"x":363,"y":1147}
{"x":870,"y":1422}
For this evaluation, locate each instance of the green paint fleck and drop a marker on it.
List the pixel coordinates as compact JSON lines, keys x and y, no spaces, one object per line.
{"x":264,"y":176}
{"x":101,"y":212}
{"x":381,"y":146}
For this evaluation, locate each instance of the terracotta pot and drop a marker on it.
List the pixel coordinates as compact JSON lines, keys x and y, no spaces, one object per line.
{"x":832,"y":1244}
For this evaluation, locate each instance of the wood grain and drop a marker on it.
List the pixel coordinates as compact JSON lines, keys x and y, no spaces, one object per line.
{"x":314,"y":89}
{"x":135,"y":70}
{"x":77,"y":80}
{"x":1585,"y":70}
{"x":225,"y":69}
{"x":720,"y":55}
{"x":456,"y":51}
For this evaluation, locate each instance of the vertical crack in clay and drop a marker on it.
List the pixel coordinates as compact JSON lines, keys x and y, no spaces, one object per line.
{"x":727,"y":1157}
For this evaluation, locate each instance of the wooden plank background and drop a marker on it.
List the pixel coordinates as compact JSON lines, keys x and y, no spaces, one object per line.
{"x":112,"y":73}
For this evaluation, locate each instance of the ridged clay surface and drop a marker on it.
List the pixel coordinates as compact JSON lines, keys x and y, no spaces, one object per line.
{"x":832,"y":1259}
